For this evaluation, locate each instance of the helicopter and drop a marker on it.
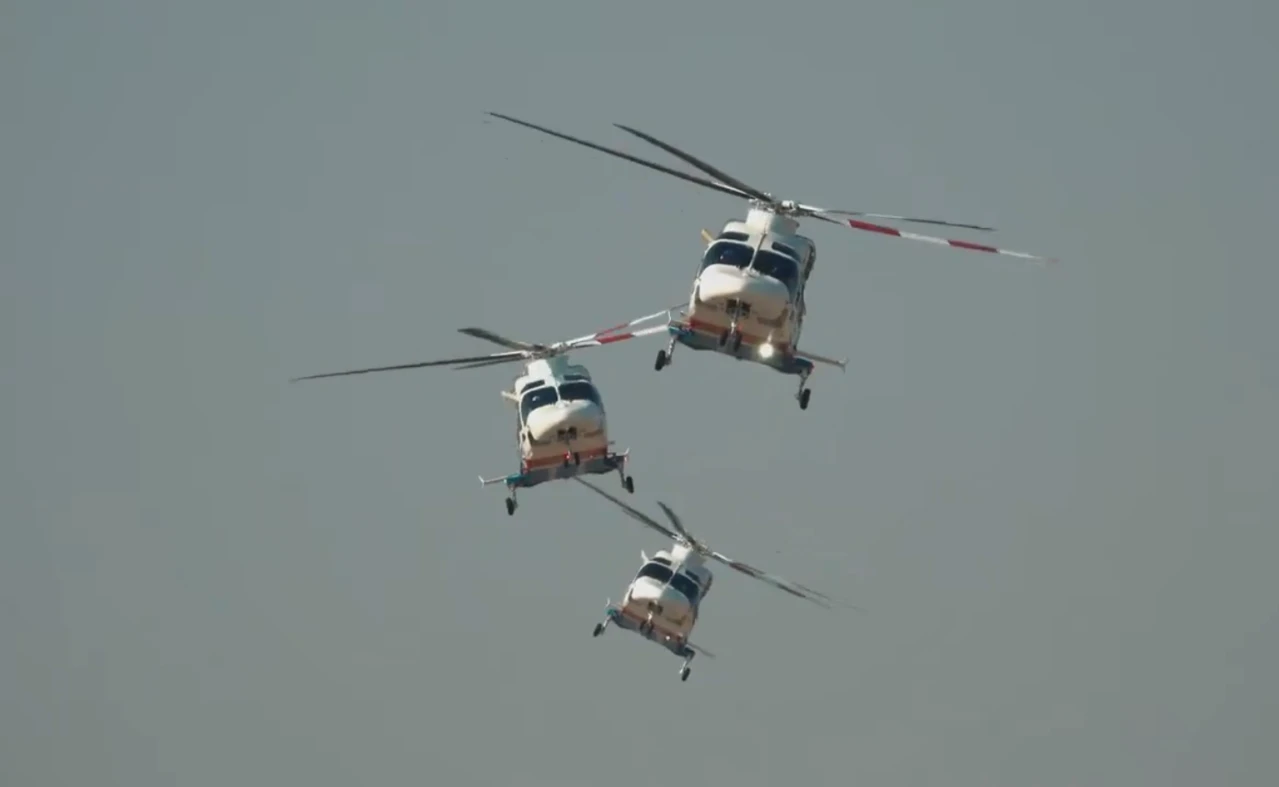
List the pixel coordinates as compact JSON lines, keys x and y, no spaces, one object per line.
{"x":561,"y":425}
{"x":748,"y":296}
{"x":664,"y":600}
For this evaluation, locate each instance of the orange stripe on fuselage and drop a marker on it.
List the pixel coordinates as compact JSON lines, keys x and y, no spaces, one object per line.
{"x":551,"y":461}
{"x":640,"y":619}
{"x":702,"y":326}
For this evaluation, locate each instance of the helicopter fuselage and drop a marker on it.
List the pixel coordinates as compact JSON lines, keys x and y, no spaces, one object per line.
{"x":663,"y":601}
{"x":560,"y":417}
{"x":748,"y":296}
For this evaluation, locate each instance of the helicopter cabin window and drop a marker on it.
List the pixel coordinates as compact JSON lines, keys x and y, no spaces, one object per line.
{"x":578,"y":390}
{"x":538,"y":397}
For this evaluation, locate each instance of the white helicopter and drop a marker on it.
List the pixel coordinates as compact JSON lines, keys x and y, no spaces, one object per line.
{"x":748,"y":295}
{"x":562,"y":429}
{"x":664,"y":601}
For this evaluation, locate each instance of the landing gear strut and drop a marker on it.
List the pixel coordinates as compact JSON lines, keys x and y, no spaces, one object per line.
{"x":684,"y":670}
{"x":628,"y":483}
{"x":804,"y":393}
{"x":731,"y":339}
{"x":665,"y":357}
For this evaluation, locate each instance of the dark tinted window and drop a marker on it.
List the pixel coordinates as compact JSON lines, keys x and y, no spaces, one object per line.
{"x":580,"y":390}
{"x":686,"y":586}
{"x":769,"y":263}
{"x":727,"y":253}
{"x":654,"y":571}
{"x":778,"y":266}
{"x":538,"y":397}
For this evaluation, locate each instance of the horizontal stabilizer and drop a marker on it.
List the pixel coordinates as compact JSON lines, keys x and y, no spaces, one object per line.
{"x":843,"y":365}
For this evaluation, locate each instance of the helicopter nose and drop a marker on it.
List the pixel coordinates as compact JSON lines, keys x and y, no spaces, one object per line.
{"x":565,"y":420}
{"x":648,"y":590}
{"x":766,"y":297}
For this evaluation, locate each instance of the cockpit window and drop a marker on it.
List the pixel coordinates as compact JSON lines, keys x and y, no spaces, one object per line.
{"x":686,"y":586}
{"x":769,"y":263}
{"x":660,"y":573}
{"x":580,"y":390}
{"x":727,"y":253}
{"x":538,"y":397}
{"x":779,"y":266}
{"x":654,"y":571}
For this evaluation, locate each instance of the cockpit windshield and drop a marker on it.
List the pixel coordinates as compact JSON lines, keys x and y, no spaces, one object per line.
{"x":580,"y":390}
{"x":654,"y":570}
{"x":686,"y":586}
{"x":660,"y":573}
{"x":769,"y":263}
{"x":538,"y":397}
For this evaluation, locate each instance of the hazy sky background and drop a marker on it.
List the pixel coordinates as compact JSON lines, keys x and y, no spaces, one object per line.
{"x":1054,"y":490}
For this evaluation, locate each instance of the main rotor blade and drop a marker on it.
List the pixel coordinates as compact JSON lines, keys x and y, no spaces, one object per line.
{"x":611,"y":335}
{"x":447,"y":362}
{"x":634,"y":514}
{"x":798,"y":591}
{"x":721,"y":188}
{"x":489,"y":336}
{"x":891,"y":217}
{"x":675,"y":520}
{"x":723,"y":177}
{"x":512,"y":358}
{"x":958,"y":244}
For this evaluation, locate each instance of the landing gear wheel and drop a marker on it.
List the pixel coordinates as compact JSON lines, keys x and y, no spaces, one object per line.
{"x":510,"y":506}
{"x":629,"y":483}
{"x":599,"y":629}
{"x":577,"y":458}
{"x":724,"y":337}
{"x":661,"y":360}
{"x":737,"y":342}
{"x":804,"y":396}
{"x":683,"y":673}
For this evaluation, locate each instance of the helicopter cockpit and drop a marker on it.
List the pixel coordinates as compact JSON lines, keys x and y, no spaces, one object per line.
{"x":739,"y":255}
{"x":540,"y":394}
{"x":659,"y":569}
{"x":536,"y":397}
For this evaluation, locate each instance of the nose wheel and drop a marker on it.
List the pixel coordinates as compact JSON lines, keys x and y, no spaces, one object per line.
{"x":731,"y":339}
{"x":510,"y":506}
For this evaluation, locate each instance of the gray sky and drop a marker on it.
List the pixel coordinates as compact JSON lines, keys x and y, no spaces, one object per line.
{"x":1053,"y":490}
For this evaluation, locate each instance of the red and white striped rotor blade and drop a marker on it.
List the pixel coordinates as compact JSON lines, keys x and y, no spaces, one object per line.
{"x":601,"y":339}
{"x":958,"y":244}
{"x":635,"y":321}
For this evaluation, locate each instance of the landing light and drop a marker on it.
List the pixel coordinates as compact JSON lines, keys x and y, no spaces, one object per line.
{"x":766,"y":351}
